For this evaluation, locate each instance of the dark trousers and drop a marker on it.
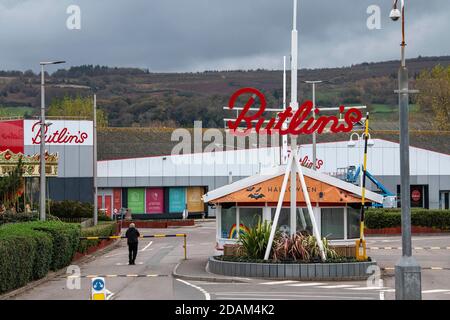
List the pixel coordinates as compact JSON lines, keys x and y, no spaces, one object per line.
{"x":132,"y":252}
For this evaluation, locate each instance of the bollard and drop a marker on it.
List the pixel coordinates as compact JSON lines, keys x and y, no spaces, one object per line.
{"x":185,"y":247}
{"x":98,"y":290}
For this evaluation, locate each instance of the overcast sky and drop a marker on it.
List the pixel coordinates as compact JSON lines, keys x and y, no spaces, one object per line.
{"x":197,"y":35}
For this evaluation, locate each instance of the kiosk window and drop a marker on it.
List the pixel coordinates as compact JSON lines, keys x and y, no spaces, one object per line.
{"x":352,"y":223}
{"x":332,"y":222}
{"x":228,"y":223}
{"x":248,"y":217}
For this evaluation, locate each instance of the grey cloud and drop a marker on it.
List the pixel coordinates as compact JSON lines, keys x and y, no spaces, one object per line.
{"x":181,"y":35}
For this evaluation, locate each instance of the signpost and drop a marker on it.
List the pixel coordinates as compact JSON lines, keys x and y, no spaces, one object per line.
{"x":98,"y":289}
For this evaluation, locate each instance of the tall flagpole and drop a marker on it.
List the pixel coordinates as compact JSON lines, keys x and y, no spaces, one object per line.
{"x":294,"y":106}
{"x":293,"y":164}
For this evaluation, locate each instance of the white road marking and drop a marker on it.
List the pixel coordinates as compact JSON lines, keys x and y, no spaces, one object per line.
{"x":271,"y":296}
{"x":436,"y":268}
{"x":109,"y":294}
{"x":436,"y":291}
{"x":146,"y":247}
{"x":207,"y":296}
{"x":240,"y":298}
{"x":435,"y":248}
{"x":337,"y":286}
{"x":418,"y":248}
{"x":381,"y":295}
{"x":280,"y":282}
{"x":368,"y":288}
{"x":307,"y":284}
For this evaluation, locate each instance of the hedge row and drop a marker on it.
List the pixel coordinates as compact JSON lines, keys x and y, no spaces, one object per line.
{"x":29,"y":250}
{"x":391,"y":218}
{"x":103,"y":229}
{"x":13,"y":217}
{"x":71,"y":209}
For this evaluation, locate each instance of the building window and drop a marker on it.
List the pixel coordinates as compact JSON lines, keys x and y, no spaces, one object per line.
{"x":228,"y":223}
{"x":304,"y":223}
{"x":332,"y":223}
{"x":284,"y":221}
{"x":444,"y":202}
{"x":353,"y":223}
{"x":248,"y":218}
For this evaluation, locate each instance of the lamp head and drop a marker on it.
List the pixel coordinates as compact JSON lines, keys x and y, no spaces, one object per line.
{"x":395,"y":14}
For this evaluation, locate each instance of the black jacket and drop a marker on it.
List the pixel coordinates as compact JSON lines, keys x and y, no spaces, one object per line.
{"x":132,"y":235}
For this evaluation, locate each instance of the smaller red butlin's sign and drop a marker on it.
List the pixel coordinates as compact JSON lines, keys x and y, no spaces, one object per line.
{"x":308,"y":163}
{"x":299,"y":122}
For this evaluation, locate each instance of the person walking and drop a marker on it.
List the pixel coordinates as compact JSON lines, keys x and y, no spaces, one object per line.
{"x":132,"y":236}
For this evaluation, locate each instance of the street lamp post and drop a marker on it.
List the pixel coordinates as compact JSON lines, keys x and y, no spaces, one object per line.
{"x":407,"y":270}
{"x":314,"y":115}
{"x":42,"y":144}
{"x":94,"y":167}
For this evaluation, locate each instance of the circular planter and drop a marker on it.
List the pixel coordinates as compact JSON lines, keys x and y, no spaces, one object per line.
{"x":293,"y":271}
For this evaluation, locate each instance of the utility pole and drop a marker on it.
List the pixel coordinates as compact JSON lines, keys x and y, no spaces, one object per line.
{"x":42,"y":191}
{"x":94,"y":166}
{"x":407,"y":270}
{"x":42,"y":150}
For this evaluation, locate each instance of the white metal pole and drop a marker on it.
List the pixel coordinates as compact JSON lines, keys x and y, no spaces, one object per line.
{"x":310,"y":210}
{"x":94,"y":165}
{"x":42,"y":204}
{"x":279,"y":205}
{"x":284,"y":148}
{"x":314,"y":133}
{"x":294,"y":106}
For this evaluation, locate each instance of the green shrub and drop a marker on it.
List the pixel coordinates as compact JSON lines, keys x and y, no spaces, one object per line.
{"x":71,"y":209}
{"x":104,"y":229}
{"x":25,"y":255}
{"x":16,"y":267}
{"x":14,"y":217}
{"x":391,"y":218}
{"x":254,"y":241}
{"x":65,"y":238}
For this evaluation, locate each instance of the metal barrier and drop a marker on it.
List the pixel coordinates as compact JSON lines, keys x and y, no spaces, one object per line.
{"x":184,"y":235}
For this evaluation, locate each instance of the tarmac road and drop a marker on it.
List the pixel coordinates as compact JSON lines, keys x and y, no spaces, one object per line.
{"x":151,"y":277}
